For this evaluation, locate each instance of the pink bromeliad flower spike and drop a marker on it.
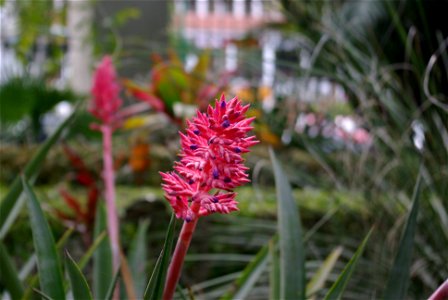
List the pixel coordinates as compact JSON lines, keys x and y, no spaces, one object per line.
{"x":105,"y":105}
{"x":211,"y":166}
{"x":106,"y":92}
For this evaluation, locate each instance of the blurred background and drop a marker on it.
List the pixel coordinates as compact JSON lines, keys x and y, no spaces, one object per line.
{"x":352,"y":96}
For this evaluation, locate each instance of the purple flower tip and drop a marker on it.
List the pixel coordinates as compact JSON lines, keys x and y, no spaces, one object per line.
{"x":215,"y":174}
{"x":223,"y":104}
{"x":237,"y":150}
{"x":227,"y":180}
{"x":225,"y":124}
{"x":196,"y":131}
{"x":194,"y":147}
{"x":215,"y":200}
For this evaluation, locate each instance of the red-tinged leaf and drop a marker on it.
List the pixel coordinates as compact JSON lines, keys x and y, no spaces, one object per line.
{"x":62,"y":215}
{"x":144,"y":94}
{"x":73,"y":203}
{"x":92,"y":200}
{"x":84,"y":178}
{"x":75,"y":160}
{"x":83,"y":175}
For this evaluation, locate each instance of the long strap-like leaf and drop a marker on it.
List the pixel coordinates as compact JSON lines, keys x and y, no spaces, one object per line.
{"x":30,"y":172}
{"x":292,"y":253}
{"x":156,"y":284}
{"x":78,"y":282}
{"x":8,"y":274}
{"x":102,"y":257}
{"x":48,"y":264}
{"x":138,"y":257}
{"x":246,"y":280}
{"x":338,"y":287}
{"x":397,"y":284}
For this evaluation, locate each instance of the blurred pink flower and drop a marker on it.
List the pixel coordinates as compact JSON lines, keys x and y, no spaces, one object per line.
{"x":105,"y":90}
{"x":210,"y":159}
{"x":362,"y":136}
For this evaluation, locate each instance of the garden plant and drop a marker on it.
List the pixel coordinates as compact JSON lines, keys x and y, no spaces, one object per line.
{"x":243,"y":192}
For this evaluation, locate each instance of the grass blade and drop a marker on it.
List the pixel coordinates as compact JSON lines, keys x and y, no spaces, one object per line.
{"x":29,"y":265}
{"x":156,"y":283}
{"x":30,"y":171}
{"x":8,"y":274}
{"x":88,"y":254}
{"x":48,"y":264}
{"x":397,"y":284}
{"x":338,"y":287}
{"x":317,"y":282}
{"x":292,"y":254}
{"x":244,"y":283}
{"x":274,"y":276}
{"x":78,"y":282}
{"x":138,"y":257}
{"x":102,"y":257}
{"x":110,"y":290}
{"x":42,"y":294}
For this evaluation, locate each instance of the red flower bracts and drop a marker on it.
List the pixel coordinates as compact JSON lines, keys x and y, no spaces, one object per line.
{"x":106,"y":92}
{"x":210,"y":160}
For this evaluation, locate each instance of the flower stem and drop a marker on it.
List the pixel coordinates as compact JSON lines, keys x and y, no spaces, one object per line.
{"x":109,"y":183}
{"x":177,"y":261}
{"x":441,"y":293}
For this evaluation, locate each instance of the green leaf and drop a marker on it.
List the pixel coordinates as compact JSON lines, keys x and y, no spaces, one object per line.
{"x":8,"y":274}
{"x":156,"y":284}
{"x":9,"y":203}
{"x":338,"y":287}
{"x":317,"y":282}
{"x":42,"y":294}
{"x":138,"y":257}
{"x":292,"y":252}
{"x":398,"y":282}
{"x":48,"y":264}
{"x":246,"y":280}
{"x":29,"y":265}
{"x":102,"y":257}
{"x":181,"y":293}
{"x":88,"y":254}
{"x":274,"y":275}
{"x":110,"y":290}
{"x":78,"y":282}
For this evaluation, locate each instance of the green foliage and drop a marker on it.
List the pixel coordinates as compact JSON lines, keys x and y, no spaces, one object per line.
{"x":29,"y":97}
{"x":111,"y":288}
{"x":35,"y":20}
{"x":292,"y":253}
{"x":11,"y":204}
{"x":78,"y":282}
{"x":156,"y":284}
{"x":48,"y":263}
{"x":398,"y":282}
{"x":249,"y":276}
{"x":318,"y":280}
{"x":8,"y":275}
{"x":274,"y":274}
{"x":339,"y":286}
{"x":138,"y":257}
{"x":102,"y":257}
{"x":32,"y":283}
